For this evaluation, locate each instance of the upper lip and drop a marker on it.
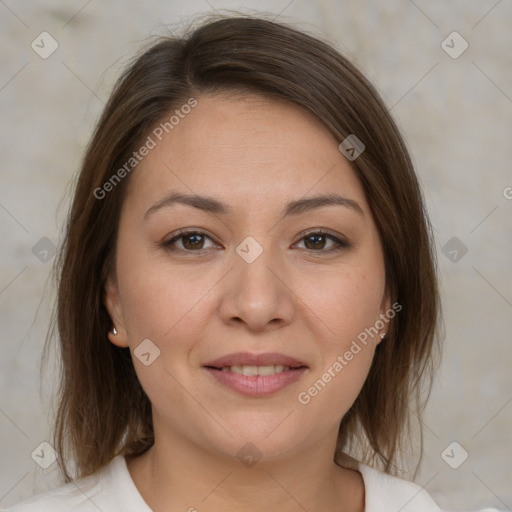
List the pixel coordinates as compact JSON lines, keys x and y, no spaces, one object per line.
{"x":248,"y":359}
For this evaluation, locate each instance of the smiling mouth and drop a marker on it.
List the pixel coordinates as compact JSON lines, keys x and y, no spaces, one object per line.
{"x":251,"y":371}
{"x":256,"y":381}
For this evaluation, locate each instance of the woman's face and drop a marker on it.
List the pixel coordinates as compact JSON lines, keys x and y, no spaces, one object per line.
{"x":214,"y":318}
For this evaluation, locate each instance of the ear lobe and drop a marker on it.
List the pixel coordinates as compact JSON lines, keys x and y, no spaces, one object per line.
{"x":112,"y":302}
{"x":384,"y":308}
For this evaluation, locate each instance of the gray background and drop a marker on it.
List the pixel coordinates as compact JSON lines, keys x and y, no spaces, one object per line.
{"x":455,"y":114}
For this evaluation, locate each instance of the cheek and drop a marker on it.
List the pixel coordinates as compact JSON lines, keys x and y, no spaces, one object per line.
{"x":168,"y":307}
{"x":159,"y":304}
{"x":166,"y":303}
{"x":331,"y":392}
{"x":342,"y":304}
{"x":347,"y":345}
{"x":343,"y":310}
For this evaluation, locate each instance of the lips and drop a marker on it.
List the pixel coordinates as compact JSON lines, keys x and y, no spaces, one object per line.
{"x":247,"y":359}
{"x":256,"y":374}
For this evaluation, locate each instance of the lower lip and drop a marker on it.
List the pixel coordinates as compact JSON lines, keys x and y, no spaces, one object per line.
{"x":257,"y":385}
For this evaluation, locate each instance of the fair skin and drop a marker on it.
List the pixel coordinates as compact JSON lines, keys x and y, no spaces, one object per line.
{"x":202,"y":301}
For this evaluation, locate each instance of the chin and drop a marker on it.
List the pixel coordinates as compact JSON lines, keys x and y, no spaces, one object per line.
{"x":256,"y":438}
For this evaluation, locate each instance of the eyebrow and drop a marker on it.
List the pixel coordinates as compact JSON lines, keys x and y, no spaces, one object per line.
{"x":211,"y":205}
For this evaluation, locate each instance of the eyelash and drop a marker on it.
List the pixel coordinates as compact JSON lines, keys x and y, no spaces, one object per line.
{"x":183,"y":233}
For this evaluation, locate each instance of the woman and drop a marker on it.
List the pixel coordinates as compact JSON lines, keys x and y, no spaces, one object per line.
{"x":247,"y":302}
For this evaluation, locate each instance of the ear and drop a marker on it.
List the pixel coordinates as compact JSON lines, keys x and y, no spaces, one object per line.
{"x":112,"y":302}
{"x":385,"y":307}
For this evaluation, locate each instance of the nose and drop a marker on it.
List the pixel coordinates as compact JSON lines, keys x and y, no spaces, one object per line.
{"x":257,"y":294}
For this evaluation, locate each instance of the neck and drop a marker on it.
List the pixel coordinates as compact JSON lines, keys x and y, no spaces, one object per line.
{"x":180,"y":476}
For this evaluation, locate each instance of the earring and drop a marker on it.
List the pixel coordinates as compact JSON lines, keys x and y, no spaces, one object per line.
{"x":382,"y":336}
{"x":114,"y":331}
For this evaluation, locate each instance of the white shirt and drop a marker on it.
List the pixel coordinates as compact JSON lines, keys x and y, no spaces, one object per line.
{"x":112,"y":489}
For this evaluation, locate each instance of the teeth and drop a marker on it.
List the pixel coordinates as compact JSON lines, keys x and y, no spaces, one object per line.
{"x":265,"y":370}
{"x":251,"y":371}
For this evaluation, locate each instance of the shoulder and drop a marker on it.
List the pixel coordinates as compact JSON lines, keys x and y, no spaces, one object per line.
{"x":83,"y":495}
{"x":99,"y":491}
{"x":78,"y":496}
{"x":386,"y":493}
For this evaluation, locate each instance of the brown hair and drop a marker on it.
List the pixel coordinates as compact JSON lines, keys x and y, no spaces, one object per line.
{"x":102,"y":409}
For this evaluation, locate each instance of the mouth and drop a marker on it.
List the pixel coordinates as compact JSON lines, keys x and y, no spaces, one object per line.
{"x":251,"y":371}
{"x":256,"y":374}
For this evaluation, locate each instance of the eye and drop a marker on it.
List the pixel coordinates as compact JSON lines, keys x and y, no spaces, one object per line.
{"x":190,"y":241}
{"x":194,"y":241}
{"x":317,"y":240}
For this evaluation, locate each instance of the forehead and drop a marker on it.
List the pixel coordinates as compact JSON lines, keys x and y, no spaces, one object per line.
{"x":250,"y":147}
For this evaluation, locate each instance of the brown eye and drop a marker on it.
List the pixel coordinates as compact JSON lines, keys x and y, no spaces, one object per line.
{"x":317,"y":241}
{"x":194,"y":241}
{"x":188,"y":241}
